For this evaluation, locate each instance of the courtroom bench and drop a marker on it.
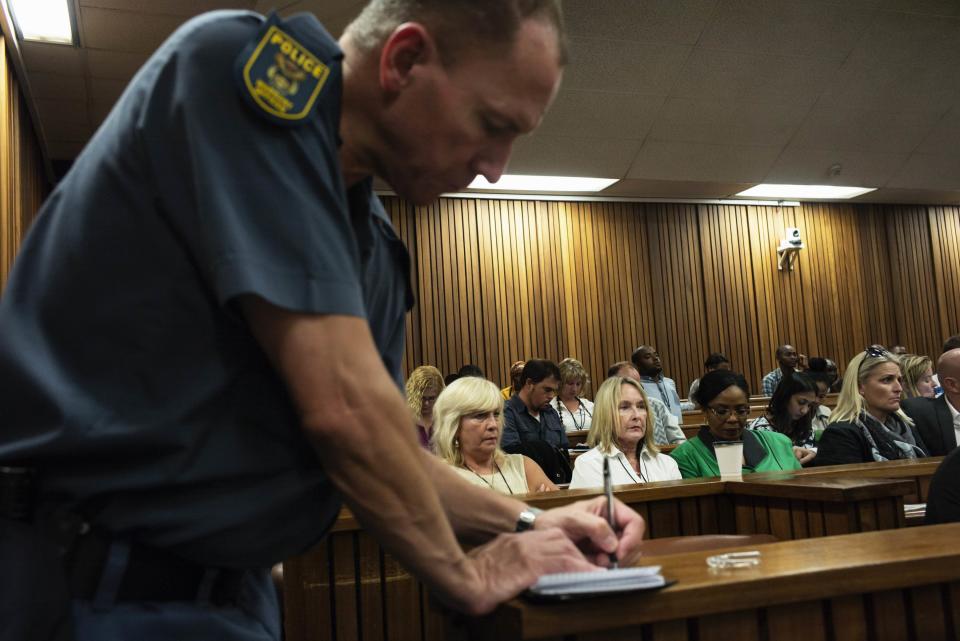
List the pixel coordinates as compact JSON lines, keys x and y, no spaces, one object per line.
{"x":899,"y":584}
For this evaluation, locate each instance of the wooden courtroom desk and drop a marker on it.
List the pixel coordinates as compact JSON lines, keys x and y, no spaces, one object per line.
{"x":892,"y":585}
{"x":347,"y":587}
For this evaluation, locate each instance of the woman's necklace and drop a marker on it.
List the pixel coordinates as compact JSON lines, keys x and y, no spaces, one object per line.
{"x":573,"y":415}
{"x":489,"y":484}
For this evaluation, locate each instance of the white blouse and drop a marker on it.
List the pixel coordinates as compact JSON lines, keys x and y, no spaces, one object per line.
{"x":588,"y":469}
{"x":574,"y":421}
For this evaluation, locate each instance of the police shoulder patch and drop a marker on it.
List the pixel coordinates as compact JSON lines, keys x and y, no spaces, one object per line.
{"x":279,"y":76}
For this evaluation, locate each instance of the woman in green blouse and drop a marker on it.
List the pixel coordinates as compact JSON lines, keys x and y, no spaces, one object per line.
{"x":725,"y":400}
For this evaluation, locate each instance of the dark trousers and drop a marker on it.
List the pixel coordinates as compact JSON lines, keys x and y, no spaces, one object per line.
{"x":34,"y":601}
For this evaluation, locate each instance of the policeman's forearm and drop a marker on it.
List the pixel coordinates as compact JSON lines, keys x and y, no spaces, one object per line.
{"x":476,"y":513}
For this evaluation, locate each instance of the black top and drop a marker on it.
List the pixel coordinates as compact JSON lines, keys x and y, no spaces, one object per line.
{"x":844,"y":442}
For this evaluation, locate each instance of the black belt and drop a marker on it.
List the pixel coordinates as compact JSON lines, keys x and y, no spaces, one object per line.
{"x":148,"y":574}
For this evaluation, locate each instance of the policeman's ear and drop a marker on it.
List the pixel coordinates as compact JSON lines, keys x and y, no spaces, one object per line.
{"x":408,"y":46}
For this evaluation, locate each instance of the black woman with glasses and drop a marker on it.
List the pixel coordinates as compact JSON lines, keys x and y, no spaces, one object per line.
{"x":724,"y":398}
{"x":867,"y":424}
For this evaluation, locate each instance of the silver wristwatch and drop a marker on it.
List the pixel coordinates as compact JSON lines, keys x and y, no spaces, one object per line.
{"x":527,"y":518}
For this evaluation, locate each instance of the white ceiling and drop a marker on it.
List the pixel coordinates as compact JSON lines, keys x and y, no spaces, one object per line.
{"x":679,"y":98}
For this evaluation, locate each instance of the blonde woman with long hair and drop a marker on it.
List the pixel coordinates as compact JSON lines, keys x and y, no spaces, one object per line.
{"x":423,"y":388}
{"x":468,"y":421}
{"x":622,"y":430}
{"x":917,"y":376}
{"x":867,"y":423}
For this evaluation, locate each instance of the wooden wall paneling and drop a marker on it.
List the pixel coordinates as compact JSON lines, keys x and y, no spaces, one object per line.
{"x":590,"y":283}
{"x":22,"y":179}
{"x":617,"y":276}
{"x":945,"y":249}
{"x":498,"y":280}
{"x":504,"y":311}
{"x":547,"y":218}
{"x":911,"y":292}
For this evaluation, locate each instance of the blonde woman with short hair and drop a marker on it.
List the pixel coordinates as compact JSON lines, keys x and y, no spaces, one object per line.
{"x":575,"y":412}
{"x":867,"y":424}
{"x":468,"y":421}
{"x":623,"y":431}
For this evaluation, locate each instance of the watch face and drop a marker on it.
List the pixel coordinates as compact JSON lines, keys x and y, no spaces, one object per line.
{"x":525,"y":520}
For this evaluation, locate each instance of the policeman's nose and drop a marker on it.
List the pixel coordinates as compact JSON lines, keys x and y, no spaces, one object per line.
{"x":492,"y":161}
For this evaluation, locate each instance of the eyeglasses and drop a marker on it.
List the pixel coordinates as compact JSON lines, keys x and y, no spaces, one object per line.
{"x":742,"y":411}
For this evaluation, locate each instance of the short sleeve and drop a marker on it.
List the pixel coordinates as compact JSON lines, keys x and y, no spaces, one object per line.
{"x":261,"y":207}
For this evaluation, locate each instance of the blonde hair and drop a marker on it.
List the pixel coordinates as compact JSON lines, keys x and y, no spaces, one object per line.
{"x":419,"y":381}
{"x":606,"y":416}
{"x":572,"y":370}
{"x":913,"y":367}
{"x":464,"y":396}
{"x":850,"y":402}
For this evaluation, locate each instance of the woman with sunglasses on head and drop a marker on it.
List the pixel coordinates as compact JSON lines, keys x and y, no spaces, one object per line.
{"x":867,"y":424}
{"x":790,"y":412}
{"x":724,"y":398}
{"x":622,"y":430}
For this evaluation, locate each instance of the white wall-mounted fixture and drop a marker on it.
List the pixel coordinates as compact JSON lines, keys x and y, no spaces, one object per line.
{"x":789,"y":247}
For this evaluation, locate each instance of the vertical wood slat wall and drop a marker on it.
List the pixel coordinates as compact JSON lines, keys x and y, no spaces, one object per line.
{"x":21,"y":170}
{"x":501,"y":280}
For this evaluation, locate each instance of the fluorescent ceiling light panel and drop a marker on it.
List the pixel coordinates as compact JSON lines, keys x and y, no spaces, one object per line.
{"x":43,"y":20}
{"x":516,"y":182}
{"x":804,"y":192}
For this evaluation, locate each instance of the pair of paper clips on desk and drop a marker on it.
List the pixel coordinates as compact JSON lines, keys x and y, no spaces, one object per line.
{"x":734,"y":560}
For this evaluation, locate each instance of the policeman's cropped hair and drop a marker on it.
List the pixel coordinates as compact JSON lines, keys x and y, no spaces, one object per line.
{"x":457,"y":25}
{"x":464,"y":396}
{"x":605,"y":428}
{"x":536,"y":370}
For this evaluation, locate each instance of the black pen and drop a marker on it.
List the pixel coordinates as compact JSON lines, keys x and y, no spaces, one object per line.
{"x":608,"y":489}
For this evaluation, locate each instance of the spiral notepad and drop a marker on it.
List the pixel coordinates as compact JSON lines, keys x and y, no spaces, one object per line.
{"x":613,"y":580}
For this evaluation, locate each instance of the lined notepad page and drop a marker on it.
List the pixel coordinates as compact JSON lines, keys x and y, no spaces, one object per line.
{"x":613,"y":580}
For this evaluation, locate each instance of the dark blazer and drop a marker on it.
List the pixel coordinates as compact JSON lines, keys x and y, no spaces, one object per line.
{"x":932,"y":419}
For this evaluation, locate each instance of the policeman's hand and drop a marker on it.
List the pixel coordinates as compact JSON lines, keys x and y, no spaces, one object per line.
{"x":804,"y":455}
{"x":510,"y":563}
{"x":585,"y":523}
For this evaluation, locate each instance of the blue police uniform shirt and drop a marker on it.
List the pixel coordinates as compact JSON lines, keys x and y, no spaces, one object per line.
{"x":130,"y":378}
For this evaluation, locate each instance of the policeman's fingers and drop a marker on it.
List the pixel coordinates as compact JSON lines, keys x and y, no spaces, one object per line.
{"x":513,"y":562}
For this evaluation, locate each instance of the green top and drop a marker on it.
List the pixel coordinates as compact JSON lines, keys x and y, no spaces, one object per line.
{"x":696,"y":459}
